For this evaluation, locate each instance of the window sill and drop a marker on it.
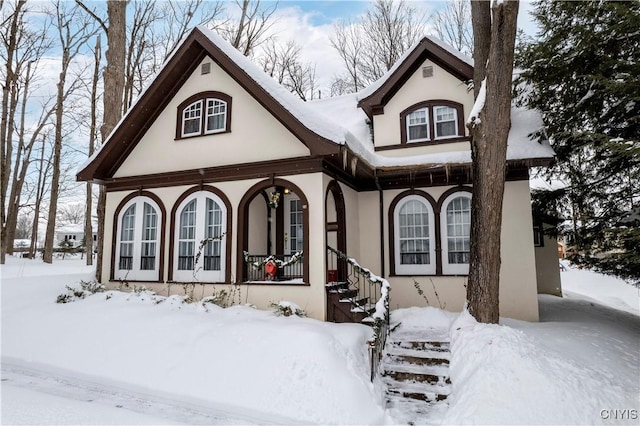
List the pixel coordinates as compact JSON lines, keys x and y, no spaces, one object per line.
{"x":430,"y":142}
{"x":201,"y":135}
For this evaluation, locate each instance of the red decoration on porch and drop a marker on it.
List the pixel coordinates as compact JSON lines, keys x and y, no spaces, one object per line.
{"x":271,"y":269}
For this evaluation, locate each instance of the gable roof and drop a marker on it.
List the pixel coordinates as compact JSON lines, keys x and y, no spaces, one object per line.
{"x":373,"y":98}
{"x":318,"y":135}
{"x":314,"y":123}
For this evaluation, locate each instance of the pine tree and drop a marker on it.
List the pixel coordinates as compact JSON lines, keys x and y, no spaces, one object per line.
{"x":583,"y":74}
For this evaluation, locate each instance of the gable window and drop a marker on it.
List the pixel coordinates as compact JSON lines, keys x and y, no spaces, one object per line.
{"x":414,"y":236}
{"x":137,"y":243}
{"x":446,"y":119}
{"x":431,"y":121}
{"x":204,"y":114}
{"x":418,"y":125}
{"x":455,"y":220}
{"x":192,"y":119}
{"x":201,"y":226}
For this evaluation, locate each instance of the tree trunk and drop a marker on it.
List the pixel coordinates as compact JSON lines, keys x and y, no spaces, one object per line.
{"x":57,"y":154}
{"x":9,"y":101}
{"x":88,"y":223}
{"x":39,"y":195}
{"x":488,"y":150}
{"x":113,"y":89}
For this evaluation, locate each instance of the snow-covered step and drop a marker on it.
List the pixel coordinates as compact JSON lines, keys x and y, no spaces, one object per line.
{"x":368,"y":307}
{"x":437,"y":346}
{"x":396,"y":387}
{"x":418,"y":359}
{"x":434,"y":370}
{"x":417,"y":377}
{"x":441,"y":357}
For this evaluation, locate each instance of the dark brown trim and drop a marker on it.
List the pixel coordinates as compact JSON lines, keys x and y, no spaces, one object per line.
{"x":430,"y":105}
{"x":340,"y":226}
{"x":426,"y":143}
{"x":392,"y":178}
{"x":243,"y":224}
{"x":164,"y":87}
{"x":243,"y":171}
{"x":437,"y":210}
{"x":426,"y":49}
{"x":161,"y":242}
{"x":203,"y":96}
{"x":441,"y":200}
{"x":228,"y":233}
{"x":391,"y":225}
{"x":276,"y":284}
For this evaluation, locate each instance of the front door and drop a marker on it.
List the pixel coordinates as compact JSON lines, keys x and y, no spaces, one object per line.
{"x":293,"y":233}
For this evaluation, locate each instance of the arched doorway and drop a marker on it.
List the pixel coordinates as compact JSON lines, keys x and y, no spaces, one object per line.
{"x":273,"y":220}
{"x":335,"y":228}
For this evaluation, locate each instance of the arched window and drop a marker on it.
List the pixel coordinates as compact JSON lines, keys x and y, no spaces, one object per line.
{"x":137,"y":242}
{"x":431,"y":121}
{"x":455,"y":219}
{"x":414,"y":236}
{"x":204,"y":114}
{"x":201,"y":225}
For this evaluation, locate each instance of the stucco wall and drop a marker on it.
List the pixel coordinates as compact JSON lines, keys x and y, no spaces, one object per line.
{"x":309,"y":297}
{"x":518,"y":295}
{"x":547,"y":268}
{"x":255,"y":134}
{"x":442,"y":85}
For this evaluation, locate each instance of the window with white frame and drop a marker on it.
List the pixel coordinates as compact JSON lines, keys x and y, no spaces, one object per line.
{"x":192,"y":119}
{"x":216,"y":115}
{"x":455,"y":222}
{"x":418,"y":125}
{"x":136,"y":256}
{"x":446,"y":121}
{"x":430,"y":121}
{"x":414,"y":232}
{"x":200,"y":230}
{"x":204,"y":114}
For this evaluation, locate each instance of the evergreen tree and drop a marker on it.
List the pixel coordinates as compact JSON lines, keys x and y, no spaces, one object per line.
{"x":583,"y":74}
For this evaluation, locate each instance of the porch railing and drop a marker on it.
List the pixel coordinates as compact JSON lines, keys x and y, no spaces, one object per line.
{"x":286,"y":273}
{"x":370,"y":288}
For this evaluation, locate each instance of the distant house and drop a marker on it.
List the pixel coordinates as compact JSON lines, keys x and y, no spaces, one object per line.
{"x":74,"y":233}
{"x":216,"y":166}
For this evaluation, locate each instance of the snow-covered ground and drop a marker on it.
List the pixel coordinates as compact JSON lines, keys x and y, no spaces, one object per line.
{"x":116,"y":358}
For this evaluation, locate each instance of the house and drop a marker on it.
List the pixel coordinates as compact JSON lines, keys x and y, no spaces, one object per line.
{"x":216,"y":166}
{"x":73,"y":233}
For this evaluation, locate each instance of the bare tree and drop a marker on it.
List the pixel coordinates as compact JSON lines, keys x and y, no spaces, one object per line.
{"x":23,"y":49}
{"x":250,"y":30}
{"x":452,"y":25}
{"x":179,"y":18}
{"x":43,"y":171}
{"x":494,"y":31}
{"x":282,"y":62}
{"x":88,"y":223}
{"x":371,"y":45}
{"x":73,"y":33}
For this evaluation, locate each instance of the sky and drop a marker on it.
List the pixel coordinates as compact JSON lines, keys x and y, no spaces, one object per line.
{"x":311,"y":24}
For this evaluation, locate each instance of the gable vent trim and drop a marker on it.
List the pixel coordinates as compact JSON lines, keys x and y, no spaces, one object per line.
{"x":205,"y":68}
{"x":427,"y":72}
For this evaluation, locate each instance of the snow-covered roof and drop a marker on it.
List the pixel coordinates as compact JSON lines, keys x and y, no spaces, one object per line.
{"x":340,"y":120}
{"x":344,"y":109}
